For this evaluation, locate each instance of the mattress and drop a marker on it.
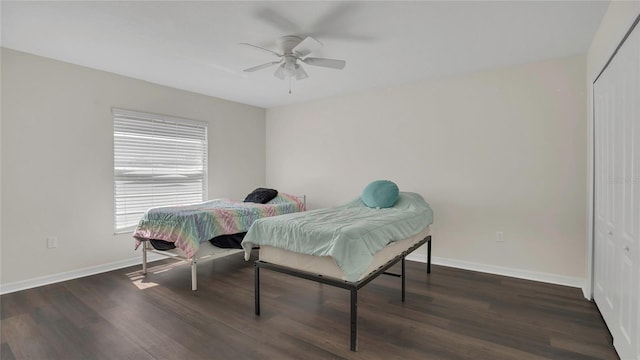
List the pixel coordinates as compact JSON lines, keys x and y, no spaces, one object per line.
{"x":327,"y":266}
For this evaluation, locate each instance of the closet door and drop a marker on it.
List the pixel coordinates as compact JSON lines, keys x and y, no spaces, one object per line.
{"x":630,"y":229}
{"x":605,"y":281}
{"x":617,"y":196}
{"x":627,"y":232}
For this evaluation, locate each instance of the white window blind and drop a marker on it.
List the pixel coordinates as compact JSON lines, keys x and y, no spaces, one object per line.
{"x":158,"y":161}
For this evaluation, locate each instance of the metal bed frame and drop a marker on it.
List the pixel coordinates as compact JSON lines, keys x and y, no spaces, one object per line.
{"x":353,"y":287}
{"x":205,"y":253}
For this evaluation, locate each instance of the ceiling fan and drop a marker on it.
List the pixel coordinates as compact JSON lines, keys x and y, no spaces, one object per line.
{"x":291,"y":49}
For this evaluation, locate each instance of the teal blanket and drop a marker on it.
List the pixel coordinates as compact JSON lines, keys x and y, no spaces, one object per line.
{"x":352,"y":233}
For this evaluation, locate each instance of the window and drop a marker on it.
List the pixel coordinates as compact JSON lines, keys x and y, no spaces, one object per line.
{"x":157,"y":161}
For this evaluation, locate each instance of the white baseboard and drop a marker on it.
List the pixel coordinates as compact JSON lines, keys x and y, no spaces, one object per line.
{"x":500,"y":270}
{"x":491,"y":269}
{"x":74,"y":274}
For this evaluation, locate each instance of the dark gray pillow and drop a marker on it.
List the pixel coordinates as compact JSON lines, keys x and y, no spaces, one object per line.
{"x":261,"y":195}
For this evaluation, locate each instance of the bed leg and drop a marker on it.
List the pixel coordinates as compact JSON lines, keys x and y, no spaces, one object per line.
{"x":354,"y":320}
{"x":144,"y":258}
{"x":257,"y":288}
{"x":194,"y":275}
{"x":403,"y":277}
{"x":429,"y":255}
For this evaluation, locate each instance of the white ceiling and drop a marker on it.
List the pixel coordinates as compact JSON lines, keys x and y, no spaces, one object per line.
{"x":193,"y":45}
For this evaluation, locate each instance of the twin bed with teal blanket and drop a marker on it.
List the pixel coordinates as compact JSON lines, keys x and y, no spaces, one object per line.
{"x":345,"y":246}
{"x":351,"y":234}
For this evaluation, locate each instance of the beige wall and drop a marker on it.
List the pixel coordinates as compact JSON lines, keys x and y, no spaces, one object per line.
{"x":501,"y":150}
{"x":57,"y":159}
{"x":616,"y":22}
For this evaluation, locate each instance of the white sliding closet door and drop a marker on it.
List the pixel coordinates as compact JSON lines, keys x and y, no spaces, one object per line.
{"x":617,"y":196}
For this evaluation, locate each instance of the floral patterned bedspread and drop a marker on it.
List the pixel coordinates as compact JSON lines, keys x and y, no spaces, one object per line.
{"x":189,"y":225}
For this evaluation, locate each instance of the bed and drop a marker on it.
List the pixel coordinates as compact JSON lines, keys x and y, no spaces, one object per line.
{"x":189,"y":232}
{"x":345,"y":246}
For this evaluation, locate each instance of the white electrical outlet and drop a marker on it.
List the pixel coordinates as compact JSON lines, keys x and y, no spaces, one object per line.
{"x":52,"y":242}
{"x":499,"y":236}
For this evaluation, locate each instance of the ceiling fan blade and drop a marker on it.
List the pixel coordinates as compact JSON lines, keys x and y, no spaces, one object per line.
{"x":261,"y":48}
{"x":307,"y":46}
{"x":280,"y":72}
{"x":277,"y":20}
{"x":337,"y":22}
{"x":260,"y":67}
{"x":328,"y":63}
{"x":300,"y":73}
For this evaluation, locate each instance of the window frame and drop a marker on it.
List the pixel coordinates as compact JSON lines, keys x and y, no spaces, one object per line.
{"x":157,"y":122}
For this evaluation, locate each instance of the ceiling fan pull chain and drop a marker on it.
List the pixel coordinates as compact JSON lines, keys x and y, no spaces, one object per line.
{"x":289,"y":84}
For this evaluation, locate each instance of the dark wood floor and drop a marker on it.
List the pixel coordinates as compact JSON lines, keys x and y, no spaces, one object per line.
{"x":449,"y":314}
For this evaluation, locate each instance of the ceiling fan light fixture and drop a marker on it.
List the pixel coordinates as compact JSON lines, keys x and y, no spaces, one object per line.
{"x":300,"y":73}
{"x":290,"y":68}
{"x":280,"y":73}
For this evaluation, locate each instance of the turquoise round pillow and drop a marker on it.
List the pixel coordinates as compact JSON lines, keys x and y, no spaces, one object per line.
{"x":380,"y":194}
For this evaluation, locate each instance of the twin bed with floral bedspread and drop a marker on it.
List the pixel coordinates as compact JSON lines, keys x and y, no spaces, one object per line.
{"x":185,"y":231}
